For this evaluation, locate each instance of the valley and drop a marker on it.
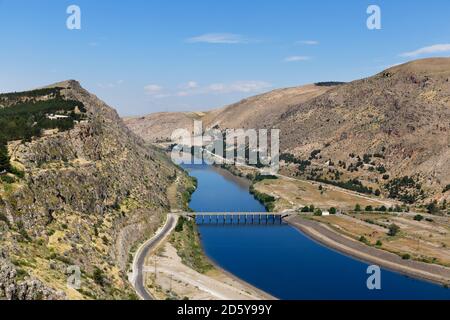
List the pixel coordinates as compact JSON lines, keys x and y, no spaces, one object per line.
{"x":363,"y":165}
{"x":371,"y":160}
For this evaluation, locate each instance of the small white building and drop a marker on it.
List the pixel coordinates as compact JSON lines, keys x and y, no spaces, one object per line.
{"x":56,"y":117}
{"x":325,"y":213}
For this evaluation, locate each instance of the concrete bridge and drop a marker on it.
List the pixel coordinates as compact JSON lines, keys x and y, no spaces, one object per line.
{"x":236,"y":217}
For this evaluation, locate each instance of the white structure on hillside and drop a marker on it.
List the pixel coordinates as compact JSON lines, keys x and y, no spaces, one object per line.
{"x":56,"y":117}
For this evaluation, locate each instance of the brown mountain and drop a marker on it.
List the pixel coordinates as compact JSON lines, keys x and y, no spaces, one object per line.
{"x":378,"y":130}
{"x":402,"y":115}
{"x":158,"y":127}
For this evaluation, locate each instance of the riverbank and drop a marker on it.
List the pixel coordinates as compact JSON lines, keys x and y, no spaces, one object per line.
{"x":168,"y":278}
{"x":331,"y":239}
{"x":419,"y":250}
{"x":178,"y":267}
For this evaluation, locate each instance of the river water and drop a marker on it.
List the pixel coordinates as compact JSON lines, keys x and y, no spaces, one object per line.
{"x":281,"y":260}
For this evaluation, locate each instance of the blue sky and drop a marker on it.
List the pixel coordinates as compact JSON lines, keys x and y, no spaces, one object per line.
{"x":143,"y":56}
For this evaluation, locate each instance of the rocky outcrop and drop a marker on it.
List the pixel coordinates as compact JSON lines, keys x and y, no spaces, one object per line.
{"x":27,"y":289}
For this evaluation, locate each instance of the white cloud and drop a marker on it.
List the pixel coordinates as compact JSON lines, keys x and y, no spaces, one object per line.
{"x":238,"y":86}
{"x":192,"y":88}
{"x":437,"y":48}
{"x":218,"y":38}
{"x":153,"y":90}
{"x":111,"y":84}
{"x":309,"y":42}
{"x":224,"y":88}
{"x":297,"y":58}
{"x":190,"y":85}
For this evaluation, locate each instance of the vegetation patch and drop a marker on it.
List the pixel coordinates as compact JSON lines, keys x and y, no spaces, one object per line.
{"x":25,"y":115}
{"x":353,"y":185}
{"x":186,"y":241}
{"x":267,"y":200}
{"x":405,"y":189}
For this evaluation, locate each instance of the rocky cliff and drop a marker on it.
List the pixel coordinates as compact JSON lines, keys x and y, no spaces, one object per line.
{"x":86,"y":196}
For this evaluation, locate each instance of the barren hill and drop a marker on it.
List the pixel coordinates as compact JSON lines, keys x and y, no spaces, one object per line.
{"x":158,"y":127}
{"x":263,"y":110}
{"x":401,"y":116}
{"x":255,"y":112}
{"x":391,"y":131}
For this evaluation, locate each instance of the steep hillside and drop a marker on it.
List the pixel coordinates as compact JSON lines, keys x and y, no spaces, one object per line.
{"x":392,"y":125}
{"x":80,"y":194}
{"x":263,"y":110}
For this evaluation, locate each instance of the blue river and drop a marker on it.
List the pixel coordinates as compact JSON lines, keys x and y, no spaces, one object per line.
{"x":279,"y":259}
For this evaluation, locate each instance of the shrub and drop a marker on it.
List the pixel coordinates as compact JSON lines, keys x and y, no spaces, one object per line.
{"x":363,"y":240}
{"x":447,"y":188}
{"x":4,"y":218}
{"x":393,"y":230}
{"x":318,"y":213}
{"x":305,"y":209}
{"x":379,"y":243}
{"x":98,"y":277}
{"x":180,"y":224}
{"x":358,"y":208}
{"x":314,"y":154}
{"x":7,"y":179}
{"x":418,"y":217}
{"x":406,"y":256}
{"x":333,"y":210}
{"x":369,"y":209}
{"x":433,"y":208}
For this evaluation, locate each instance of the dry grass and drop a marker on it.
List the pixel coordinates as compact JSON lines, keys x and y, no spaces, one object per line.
{"x":423,"y":241}
{"x":297,"y":194}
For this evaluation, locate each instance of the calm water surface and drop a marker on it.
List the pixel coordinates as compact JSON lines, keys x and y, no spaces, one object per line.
{"x":282,"y":261}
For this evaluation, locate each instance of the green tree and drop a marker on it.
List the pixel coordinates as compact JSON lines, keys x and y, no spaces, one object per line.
{"x":393,"y":230}
{"x":433,"y":207}
{"x":4,"y":158}
{"x":333,"y":210}
{"x":98,"y":277}
{"x":358,"y":208}
{"x":369,"y":209}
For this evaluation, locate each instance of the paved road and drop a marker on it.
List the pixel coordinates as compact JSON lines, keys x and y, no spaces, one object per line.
{"x":143,"y":252}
